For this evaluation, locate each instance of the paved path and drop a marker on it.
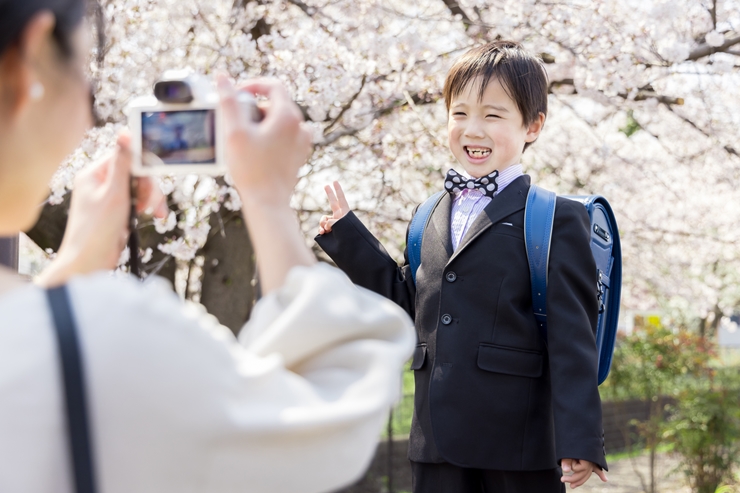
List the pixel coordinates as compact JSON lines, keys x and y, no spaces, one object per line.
{"x":623,"y":479}
{"x":622,"y":476}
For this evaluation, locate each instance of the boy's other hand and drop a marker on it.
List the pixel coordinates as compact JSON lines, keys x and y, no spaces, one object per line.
{"x":339,"y":207}
{"x":577,"y":472}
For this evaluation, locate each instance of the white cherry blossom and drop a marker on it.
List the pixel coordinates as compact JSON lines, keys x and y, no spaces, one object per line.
{"x":643,"y":109}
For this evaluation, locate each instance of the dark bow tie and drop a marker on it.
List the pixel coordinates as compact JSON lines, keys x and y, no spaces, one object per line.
{"x":456,"y":183}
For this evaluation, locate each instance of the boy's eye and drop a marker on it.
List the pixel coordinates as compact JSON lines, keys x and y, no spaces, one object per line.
{"x":494,"y":116}
{"x":458,"y":113}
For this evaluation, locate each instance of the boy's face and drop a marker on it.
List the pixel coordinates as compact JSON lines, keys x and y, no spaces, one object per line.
{"x":488,"y":134}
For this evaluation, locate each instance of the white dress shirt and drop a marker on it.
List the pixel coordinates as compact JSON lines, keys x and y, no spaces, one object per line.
{"x":178,"y":405}
{"x":469,"y":203}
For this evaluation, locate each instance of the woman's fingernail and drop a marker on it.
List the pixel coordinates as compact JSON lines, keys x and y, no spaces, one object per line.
{"x":224,"y":86}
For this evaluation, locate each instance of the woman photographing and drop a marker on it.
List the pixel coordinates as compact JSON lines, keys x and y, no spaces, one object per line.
{"x":175,"y":403}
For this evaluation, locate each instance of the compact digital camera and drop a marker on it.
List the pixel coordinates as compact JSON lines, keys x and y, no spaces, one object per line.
{"x":179,"y":129}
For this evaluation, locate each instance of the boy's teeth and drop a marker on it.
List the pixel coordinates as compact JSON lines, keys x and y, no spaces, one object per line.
{"x":479,"y":152}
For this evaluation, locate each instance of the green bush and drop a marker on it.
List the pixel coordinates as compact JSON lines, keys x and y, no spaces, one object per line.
{"x":655,"y":362}
{"x":705,"y":429}
{"x":651,"y":365}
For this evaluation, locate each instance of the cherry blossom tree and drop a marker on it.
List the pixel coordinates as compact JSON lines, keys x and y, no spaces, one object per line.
{"x":644,"y":109}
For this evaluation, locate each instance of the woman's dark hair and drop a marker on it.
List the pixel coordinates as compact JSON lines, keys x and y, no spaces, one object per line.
{"x":15,"y":14}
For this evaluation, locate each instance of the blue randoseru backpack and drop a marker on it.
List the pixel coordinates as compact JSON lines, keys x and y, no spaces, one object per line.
{"x":539,"y":215}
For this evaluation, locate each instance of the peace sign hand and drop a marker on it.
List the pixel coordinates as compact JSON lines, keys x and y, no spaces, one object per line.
{"x":339,"y":207}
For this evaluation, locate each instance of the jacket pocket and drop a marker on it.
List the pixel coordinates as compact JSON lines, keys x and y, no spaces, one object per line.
{"x":510,"y":361}
{"x":508,"y":229}
{"x":420,"y":355}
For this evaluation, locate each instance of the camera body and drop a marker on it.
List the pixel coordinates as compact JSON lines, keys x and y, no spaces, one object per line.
{"x":180,"y":129}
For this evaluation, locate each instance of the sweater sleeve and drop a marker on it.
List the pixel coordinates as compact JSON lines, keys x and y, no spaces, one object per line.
{"x":296,"y":404}
{"x":572,"y":312}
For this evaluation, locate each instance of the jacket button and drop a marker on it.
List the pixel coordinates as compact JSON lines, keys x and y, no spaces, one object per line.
{"x":446,"y":319}
{"x":451,"y":276}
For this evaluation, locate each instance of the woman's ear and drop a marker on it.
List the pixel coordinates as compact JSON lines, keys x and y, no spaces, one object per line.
{"x":534,"y":128}
{"x":20,"y":66}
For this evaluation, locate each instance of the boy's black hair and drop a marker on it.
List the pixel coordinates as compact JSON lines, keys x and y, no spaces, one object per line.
{"x":521,"y":74}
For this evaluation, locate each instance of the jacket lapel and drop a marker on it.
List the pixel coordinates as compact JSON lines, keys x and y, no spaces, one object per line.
{"x":440,"y":221}
{"x":511,"y":200}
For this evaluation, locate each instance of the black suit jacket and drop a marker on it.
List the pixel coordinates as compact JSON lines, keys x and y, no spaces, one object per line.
{"x":489,"y":393}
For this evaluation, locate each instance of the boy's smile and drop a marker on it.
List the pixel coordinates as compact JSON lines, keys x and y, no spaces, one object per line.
{"x":488,"y":133}
{"x":476,"y":153}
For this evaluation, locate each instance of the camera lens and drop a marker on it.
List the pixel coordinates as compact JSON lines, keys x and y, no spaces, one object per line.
{"x":173,"y":91}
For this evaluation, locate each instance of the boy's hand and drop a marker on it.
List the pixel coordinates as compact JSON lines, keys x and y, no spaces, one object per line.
{"x":577,"y":472}
{"x":339,"y":207}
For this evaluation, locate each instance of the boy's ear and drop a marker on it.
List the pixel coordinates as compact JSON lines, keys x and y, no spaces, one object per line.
{"x":534,"y":128}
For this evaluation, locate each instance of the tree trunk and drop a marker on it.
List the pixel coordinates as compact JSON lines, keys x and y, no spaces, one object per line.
{"x":161,"y":264}
{"x":228,"y":290}
{"x":48,"y":231}
{"x":228,"y":271}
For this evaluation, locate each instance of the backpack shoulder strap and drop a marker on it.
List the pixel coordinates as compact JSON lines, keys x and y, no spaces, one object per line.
{"x":416,"y":231}
{"x":539,"y":215}
{"x":74,"y":389}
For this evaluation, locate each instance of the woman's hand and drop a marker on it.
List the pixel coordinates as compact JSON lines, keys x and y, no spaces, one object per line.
{"x":264,"y":158}
{"x":97,"y":227}
{"x":339,"y":208}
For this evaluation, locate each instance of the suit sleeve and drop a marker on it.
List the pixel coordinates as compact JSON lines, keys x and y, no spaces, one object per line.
{"x":572,"y":312}
{"x":361,"y":256}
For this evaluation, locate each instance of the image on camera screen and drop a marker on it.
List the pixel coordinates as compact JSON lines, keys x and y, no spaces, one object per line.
{"x":178,"y":137}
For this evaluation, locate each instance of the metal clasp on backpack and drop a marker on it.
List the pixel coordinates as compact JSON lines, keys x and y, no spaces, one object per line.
{"x":601,"y":292}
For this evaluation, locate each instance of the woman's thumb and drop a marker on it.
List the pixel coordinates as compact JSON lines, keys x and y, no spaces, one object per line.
{"x":120,"y":167}
{"x":231,"y":110}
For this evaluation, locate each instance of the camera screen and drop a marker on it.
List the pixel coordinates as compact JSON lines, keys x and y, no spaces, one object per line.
{"x":178,"y":137}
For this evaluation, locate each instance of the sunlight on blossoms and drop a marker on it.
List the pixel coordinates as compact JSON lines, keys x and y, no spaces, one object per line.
{"x":643,"y":110}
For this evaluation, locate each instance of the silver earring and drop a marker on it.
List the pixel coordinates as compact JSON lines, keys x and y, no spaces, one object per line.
{"x":37,"y":91}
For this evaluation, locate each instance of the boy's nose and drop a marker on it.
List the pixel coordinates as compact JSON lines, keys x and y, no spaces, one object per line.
{"x":474,"y":129}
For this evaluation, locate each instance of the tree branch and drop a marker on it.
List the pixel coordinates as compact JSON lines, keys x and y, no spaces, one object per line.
{"x":562,"y":82}
{"x":261,"y":27}
{"x":312,"y":13}
{"x":643,"y":94}
{"x":706,"y":50}
{"x":419,"y":99}
{"x":347,"y":105}
{"x":455,"y":9}
{"x":309,"y":11}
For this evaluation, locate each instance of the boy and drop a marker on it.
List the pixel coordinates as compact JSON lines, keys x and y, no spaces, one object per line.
{"x":496,"y":408}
